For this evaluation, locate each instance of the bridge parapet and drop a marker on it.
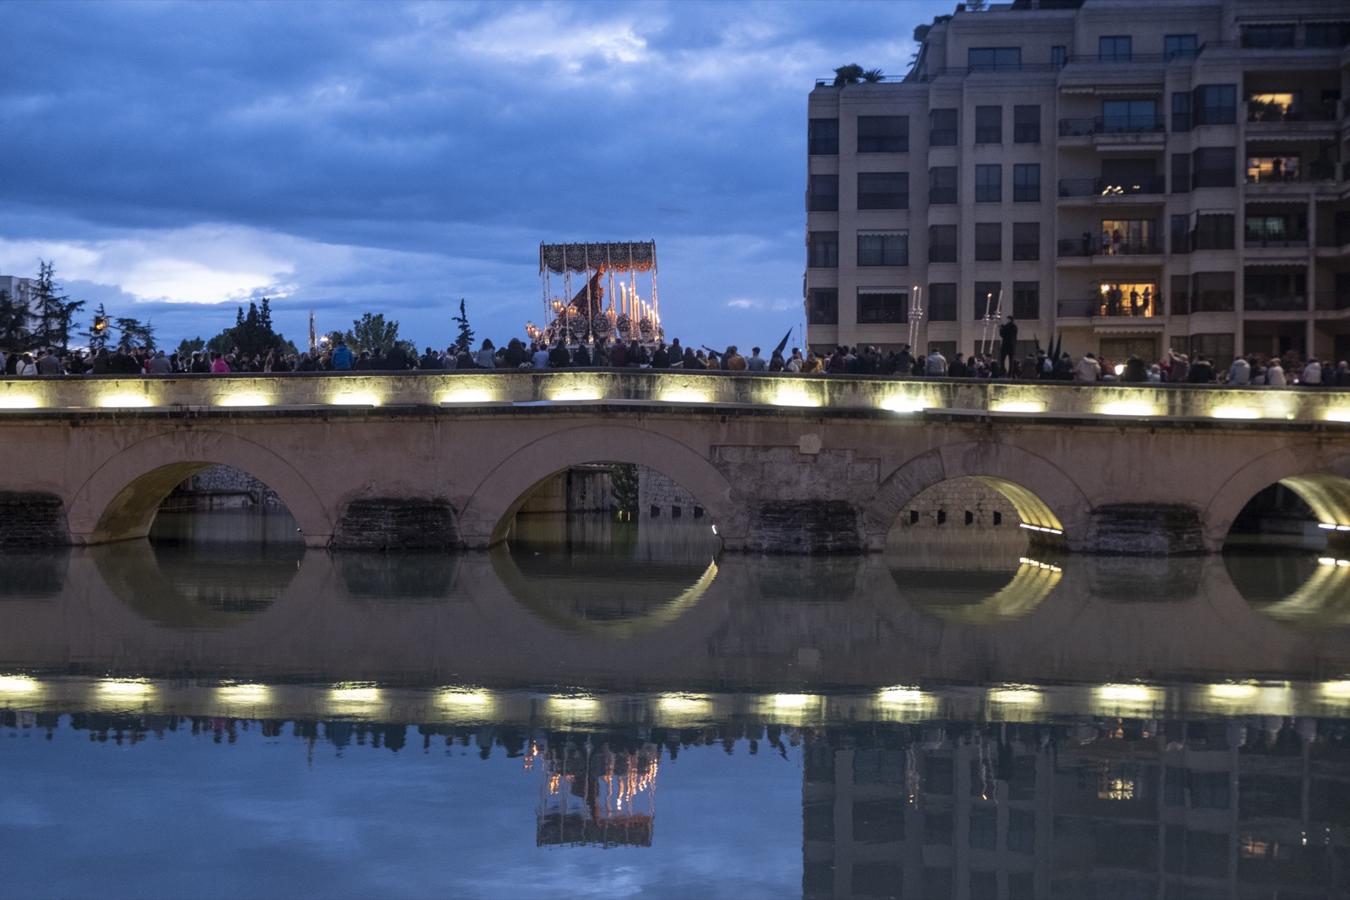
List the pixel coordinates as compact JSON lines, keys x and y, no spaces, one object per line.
{"x":482,"y":388}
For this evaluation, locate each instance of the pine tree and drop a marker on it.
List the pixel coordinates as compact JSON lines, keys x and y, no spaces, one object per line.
{"x":464,"y":340}
{"x":13,"y":323}
{"x":99,"y":328}
{"x":52,"y":311}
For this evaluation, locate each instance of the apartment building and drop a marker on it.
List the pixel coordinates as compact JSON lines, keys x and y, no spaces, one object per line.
{"x":1130,"y":174}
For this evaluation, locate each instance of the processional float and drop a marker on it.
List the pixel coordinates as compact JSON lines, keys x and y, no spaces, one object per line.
{"x":605,"y":308}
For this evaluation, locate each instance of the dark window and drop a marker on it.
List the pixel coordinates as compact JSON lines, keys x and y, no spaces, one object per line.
{"x":1213,"y":231}
{"x":822,"y":137}
{"x":1181,"y":173}
{"x":1027,"y":182}
{"x":888,"y":249}
{"x":942,"y":184}
{"x":1212,"y":292}
{"x":942,"y":243}
{"x":986,"y":298}
{"x":1130,"y":115}
{"x":1179,"y":305}
{"x":942,"y":128}
{"x":1021,"y":831}
{"x":1215,"y":104}
{"x":1218,"y":349}
{"x":824,"y":193}
{"x":876,"y":879}
{"x":883,"y":134}
{"x":1026,"y":299}
{"x":1268,"y":36}
{"x":1326,"y":34}
{"x":822,"y":250}
{"x":1176,"y":46}
{"x":1181,"y":111}
{"x":988,"y":59}
{"x":983,"y":827}
{"x":883,"y":190}
{"x":988,"y":241}
{"x":1059,"y":56}
{"x":988,"y":124}
{"x":1026,"y":240}
{"x":988,"y":184}
{"x":1214,"y":167}
{"x":1113,"y":48}
{"x":1026,"y":124}
{"x":942,"y":302}
{"x":1181,"y":233}
{"x":882,"y":308}
{"x":822,"y":306}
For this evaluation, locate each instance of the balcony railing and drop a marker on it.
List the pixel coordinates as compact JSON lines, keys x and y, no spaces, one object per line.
{"x":1086,"y":127}
{"x":1307,"y":112}
{"x":1099,"y":308}
{"x":1317,"y":171}
{"x":1258,"y":243}
{"x":1079,"y":247}
{"x":1331,"y":300}
{"x":1111,"y":187}
{"x":1337,"y":238}
{"x":1076,"y":309}
{"x":1274,"y":302}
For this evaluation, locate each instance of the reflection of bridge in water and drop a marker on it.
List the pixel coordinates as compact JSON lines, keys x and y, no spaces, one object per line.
{"x":783,"y":623}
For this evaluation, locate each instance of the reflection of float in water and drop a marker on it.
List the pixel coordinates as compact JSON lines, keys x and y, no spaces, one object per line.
{"x":591,"y":796}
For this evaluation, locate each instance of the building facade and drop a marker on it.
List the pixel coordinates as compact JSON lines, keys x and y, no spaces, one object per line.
{"x":1132,"y":175}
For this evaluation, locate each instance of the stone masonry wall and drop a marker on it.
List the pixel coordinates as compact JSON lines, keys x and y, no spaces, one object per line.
{"x":661,"y":497}
{"x":962,"y":503}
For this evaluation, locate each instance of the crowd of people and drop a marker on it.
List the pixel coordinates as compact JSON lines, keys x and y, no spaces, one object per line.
{"x":1174,"y":367}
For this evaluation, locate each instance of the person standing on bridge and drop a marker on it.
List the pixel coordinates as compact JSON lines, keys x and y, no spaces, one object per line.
{"x":936,"y":364}
{"x":342,"y":357}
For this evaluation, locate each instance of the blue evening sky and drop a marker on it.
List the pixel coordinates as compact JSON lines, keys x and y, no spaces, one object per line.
{"x":174,"y":159}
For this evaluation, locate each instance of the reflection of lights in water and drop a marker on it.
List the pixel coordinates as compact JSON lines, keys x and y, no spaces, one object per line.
{"x":905,"y":703}
{"x":1333,"y":526}
{"x":684,"y":703}
{"x":1231,"y":691}
{"x":714,"y":528}
{"x":1016,"y":696}
{"x":18,"y":685}
{"x":352,"y":698}
{"x":244,"y":693}
{"x":900,"y":695}
{"x":455,"y":697}
{"x":791,"y":701}
{"x":1337,"y":690}
{"x":1332,"y":561}
{"x":1127,"y":699}
{"x":126,"y":687}
{"x":1025,"y":561}
{"x":577,"y":703}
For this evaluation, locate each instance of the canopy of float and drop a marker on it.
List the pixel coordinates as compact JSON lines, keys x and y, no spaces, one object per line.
{"x":622,"y":256}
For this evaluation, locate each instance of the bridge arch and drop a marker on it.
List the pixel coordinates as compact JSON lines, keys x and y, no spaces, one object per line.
{"x":119,"y":498}
{"x":1318,"y":473}
{"x":488,"y":512}
{"x":1042,"y":494}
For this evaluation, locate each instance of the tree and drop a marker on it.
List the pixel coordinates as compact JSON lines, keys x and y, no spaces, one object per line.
{"x":51,"y":310}
{"x":135,"y":333}
{"x":98,"y":330}
{"x":849,"y":74}
{"x":372,"y":332}
{"x":464,"y":340}
{"x":189,"y":346}
{"x":872,"y":76}
{"x":13,"y":323}
{"x":252,"y":332}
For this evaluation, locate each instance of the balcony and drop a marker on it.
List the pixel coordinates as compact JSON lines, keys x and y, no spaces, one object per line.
{"x":1110,"y":188}
{"x":1252,"y":242}
{"x":1316,"y":172}
{"x":1278,"y":113}
{"x":1071,"y":248}
{"x":1274,"y":303}
{"x":1331,"y":301}
{"x":1106,"y":312}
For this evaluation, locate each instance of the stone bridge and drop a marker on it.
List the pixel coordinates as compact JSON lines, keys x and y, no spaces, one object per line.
{"x":783,"y":464}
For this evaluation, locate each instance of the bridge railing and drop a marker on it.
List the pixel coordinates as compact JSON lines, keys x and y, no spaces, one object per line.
{"x":464,"y":392}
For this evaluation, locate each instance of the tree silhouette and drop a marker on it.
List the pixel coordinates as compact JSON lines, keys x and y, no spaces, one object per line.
{"x":464,"y":340}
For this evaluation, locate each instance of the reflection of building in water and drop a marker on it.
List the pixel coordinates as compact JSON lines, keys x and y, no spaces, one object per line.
{"x":1106,"y":807}
{"x":593,"y":794}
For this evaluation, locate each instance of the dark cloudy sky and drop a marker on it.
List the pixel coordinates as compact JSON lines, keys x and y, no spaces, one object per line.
{"x":176,"y":158}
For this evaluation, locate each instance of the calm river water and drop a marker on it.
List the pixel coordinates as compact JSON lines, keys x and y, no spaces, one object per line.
{"x":607,"y":710}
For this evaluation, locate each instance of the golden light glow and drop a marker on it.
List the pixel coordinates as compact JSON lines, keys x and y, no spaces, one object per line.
{"x":1336,"y":690}
{"x":18,"y":685}
{"x":576,"y":703}
{"x":905,"y":703}
{"x":1041,"y":528}
{"x":468,"y":395}
{"x":1018,"y":406}
{"x":1333,"y":561}
{"x":899,"y":403}
{"x":1236,"y":412}
{"x":791,"y":701}
{"x":793,"y":395}
{"x":1127,"y":699}
{"x":900,"y":695}
{"x":19,"y":401}
{"x":575,"y":394}
{"x":245,"y":398}
{"x":684,"y":395}
{"x":1339,"y":414}
{"x":684,"y":703}
{"x":127,"y":688}
{"x":124,"y":401}
{"x":463,"y":699}
{"x":353,"y":695}
{"x":1127,"y":408}
{"x":244,"y":693}
{"x":1231,"y":691}
{"x":1015,"y":696}
{"x":356,"y":398}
